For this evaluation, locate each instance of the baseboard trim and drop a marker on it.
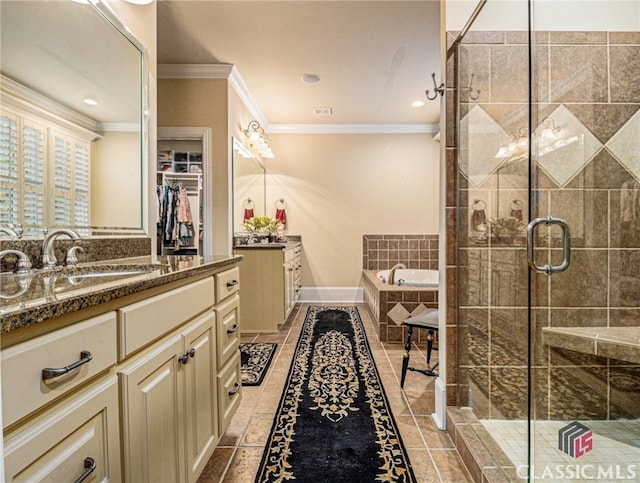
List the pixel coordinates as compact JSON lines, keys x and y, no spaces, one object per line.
{"x":331,"y":294}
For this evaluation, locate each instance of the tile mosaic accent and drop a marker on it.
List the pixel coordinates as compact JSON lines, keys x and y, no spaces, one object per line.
{"x":565,"y":152}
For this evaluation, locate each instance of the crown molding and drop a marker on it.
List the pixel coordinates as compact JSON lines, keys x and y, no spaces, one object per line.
{"x":194,"y":71}
{"x":118,"y":127}
{"x":231,"y":73}
{"x":29,"y":101}
{"x":353,"y":128}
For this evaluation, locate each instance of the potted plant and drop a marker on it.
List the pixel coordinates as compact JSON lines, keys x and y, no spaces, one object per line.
{"x":506,"y":229}
{"x":263,"y":226}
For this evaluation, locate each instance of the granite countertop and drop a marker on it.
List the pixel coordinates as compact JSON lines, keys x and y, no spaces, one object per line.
{"x":274,"y":245}
{"x":42,"y":295}
{"x":622,"y":343}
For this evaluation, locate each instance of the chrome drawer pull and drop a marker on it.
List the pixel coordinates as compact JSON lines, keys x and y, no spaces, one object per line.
{"x":233,"y":283}
{"x":50,"y":373}
{"x":236,"y":388}
{"x":233,"y":329}
{"x":89,"y":467}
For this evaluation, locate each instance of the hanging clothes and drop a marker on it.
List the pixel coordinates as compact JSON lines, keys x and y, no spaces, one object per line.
{"x":174,"y":219}
{"x":184,"y":218}
{"x":281,"y":213}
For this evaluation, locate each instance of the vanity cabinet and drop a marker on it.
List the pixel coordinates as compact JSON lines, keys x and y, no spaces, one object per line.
{"x":271,"y":286}
{"x":61,"y":424}
{"x":144,"y":391}
{"x":169,"y":414}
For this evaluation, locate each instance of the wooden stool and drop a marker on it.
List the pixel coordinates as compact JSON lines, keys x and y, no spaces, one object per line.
{"x":427,"y":319}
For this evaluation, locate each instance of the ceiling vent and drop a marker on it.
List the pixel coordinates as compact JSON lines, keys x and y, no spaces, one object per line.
{"x":322,"y":111}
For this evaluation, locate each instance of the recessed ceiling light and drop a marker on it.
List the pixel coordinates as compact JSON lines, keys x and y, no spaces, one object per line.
{"x":310,"y":78}
{"x":90,"y":102}
{"x":417,"y":103}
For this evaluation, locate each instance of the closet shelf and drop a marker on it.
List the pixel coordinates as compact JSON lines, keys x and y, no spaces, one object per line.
{"x":622,"y":343}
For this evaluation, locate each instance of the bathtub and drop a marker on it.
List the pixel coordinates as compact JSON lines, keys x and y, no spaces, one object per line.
{"x":414,"y":278}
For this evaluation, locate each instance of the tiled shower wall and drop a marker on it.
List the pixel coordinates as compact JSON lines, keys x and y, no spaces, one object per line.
{"x":587,"y":84}
{"x":381,"y":252}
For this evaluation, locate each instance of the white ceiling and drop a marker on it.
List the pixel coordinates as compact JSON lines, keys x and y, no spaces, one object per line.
{"x":374,"y":57}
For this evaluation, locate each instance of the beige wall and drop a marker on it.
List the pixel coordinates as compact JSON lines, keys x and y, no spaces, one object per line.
{"x":203,"y":103}
{"x":338,"y":187}
{"x":116,"y":180}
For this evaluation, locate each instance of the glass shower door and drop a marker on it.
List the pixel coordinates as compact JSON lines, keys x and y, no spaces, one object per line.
{"x":584,"y":341}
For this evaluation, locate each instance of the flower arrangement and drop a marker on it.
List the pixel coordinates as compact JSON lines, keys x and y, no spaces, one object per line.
{"x":262,"y":224}
{"x":506,"y":227}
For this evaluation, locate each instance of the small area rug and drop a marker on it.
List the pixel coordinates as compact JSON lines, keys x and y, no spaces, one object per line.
{"x":255,"y":358}
{"x":334,"y":423}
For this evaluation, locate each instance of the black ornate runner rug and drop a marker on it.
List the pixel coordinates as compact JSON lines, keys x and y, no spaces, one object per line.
{"x":334,"y":423}
{"x":255,"y":358}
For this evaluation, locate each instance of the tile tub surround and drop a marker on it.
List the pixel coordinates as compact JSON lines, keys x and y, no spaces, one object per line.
{"x":381,"y":252}
{"x":95,"y":249}
{"x":390,"y":305}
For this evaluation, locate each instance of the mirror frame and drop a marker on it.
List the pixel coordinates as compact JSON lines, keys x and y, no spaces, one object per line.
{"x":106,"y":13}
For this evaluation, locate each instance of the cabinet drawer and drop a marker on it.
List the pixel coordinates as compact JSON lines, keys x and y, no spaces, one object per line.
{"x":229,"y":391}
{"x":56,"y":446}
{"x":147,"y":320}
{"x":23,"y":388}
{"x":227,"y":283}
{"x":228,"y":329}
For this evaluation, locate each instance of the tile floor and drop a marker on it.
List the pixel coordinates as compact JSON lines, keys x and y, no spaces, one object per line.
{"x":432,"y":453}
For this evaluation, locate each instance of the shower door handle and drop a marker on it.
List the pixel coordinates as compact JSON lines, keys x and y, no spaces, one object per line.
{"x":566,"y":245}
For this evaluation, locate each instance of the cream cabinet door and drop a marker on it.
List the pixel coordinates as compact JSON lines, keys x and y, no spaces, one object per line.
{"x":77,"y":437}
{"x":153,"y":415}
{"x":201,"y":409}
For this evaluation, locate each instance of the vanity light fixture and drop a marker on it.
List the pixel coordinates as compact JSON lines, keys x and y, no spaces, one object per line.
{"x":258,"y":140}
{"x":140,"y":2}
{"x":90,"y":101}
{"x":417,"y":104}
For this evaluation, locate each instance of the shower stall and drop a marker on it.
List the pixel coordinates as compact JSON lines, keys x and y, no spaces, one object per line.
{"x":547,"y":222}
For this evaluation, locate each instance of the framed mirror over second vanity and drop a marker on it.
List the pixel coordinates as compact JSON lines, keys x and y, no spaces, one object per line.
{"x":249,"y":186}
{"x":72,"y":120}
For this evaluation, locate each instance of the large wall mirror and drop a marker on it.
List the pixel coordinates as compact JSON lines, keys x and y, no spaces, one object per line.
{"x":249,"y":186}
{"x":72,"y":128}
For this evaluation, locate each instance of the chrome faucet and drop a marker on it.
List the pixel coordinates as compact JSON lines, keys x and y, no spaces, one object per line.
{"x":49,"y":259}
{"x":23,"y":265}
{"x":14,"y":234}
{"x":392,"y":272}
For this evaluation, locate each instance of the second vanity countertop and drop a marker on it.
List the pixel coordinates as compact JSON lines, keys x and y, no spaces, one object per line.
{"x":30,"y":299}
{"x":272,"y":246}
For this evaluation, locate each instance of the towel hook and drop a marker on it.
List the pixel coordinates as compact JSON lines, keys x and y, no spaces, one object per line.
{"x":436,"y":88}
{"x":248,"y":203}
{"x":282,"y":204}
